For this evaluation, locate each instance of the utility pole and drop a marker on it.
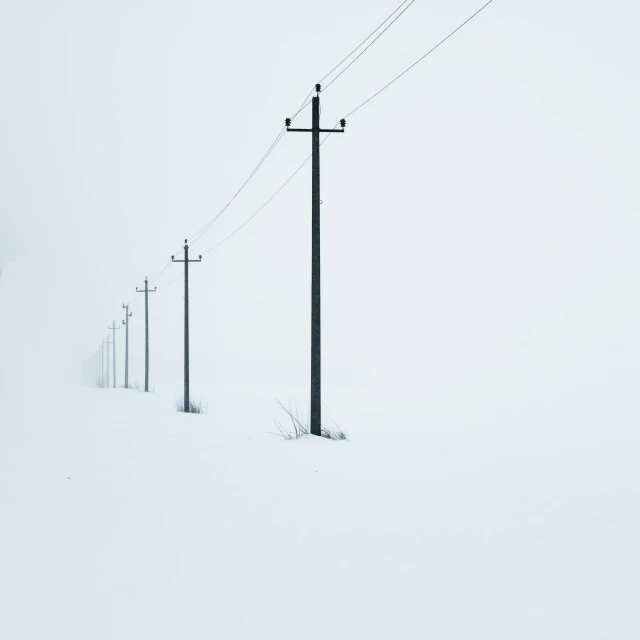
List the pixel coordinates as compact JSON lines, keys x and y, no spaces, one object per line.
{"x":186,"y":261}
{"x":316,"y":352}
{"x":125,"y":322}
{"x":146,"y":292}
{"x":113,"y":342}
{"x":102,"y":364}
{"x":107,"y":342}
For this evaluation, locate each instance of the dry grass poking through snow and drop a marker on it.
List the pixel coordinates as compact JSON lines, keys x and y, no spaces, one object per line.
{"x":299,"y":427}
{"x":194,"y":407}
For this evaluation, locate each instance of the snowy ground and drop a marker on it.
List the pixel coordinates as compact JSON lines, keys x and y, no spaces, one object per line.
{"x":124,"y":520}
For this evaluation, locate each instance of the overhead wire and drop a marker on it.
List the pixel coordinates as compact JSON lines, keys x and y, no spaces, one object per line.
{"x":307,"y":102}
{"x":166,"y":284}
{"x":420,"y":59}
{"x":196,"y":236}
{"x":365,"y":40}
{"x":207,"y":226}
{"x":246,"y":222}
{"x":304,"y":104}
{"x":157,"y":273}
{"x":370,"y":44}
{"x":400,"y":8}
{"x":275,"y":193}
{"x":348,"y":115}
{"x":269,"y":151}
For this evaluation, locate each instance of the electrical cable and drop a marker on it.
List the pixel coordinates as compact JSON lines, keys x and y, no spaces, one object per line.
{"x":306,"y":102}
{"x":369,"y":45}
{"x":269,"y":151}
{"x":351,"y":113}
{"x":280,"y":188}
{"x":166,"y":284}
{"x":377,"y":93}
{"x":206,"y":227}
{"x":367,"y":38}
{"x":198,"y":234}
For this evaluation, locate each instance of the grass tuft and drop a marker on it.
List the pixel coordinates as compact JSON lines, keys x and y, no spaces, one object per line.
{"x":194,"y":406}
{"x":299,"y":427}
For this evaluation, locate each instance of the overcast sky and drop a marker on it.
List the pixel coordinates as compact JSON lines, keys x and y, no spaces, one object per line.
{"x":480,"y":217}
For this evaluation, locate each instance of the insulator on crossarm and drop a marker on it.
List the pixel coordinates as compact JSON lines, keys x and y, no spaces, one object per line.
{"x":287,"y":121}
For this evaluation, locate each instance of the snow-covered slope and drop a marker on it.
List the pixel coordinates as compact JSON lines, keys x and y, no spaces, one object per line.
{"x":125,"y":520}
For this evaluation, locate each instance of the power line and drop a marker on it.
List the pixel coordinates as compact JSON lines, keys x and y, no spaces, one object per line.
{"x":348,"y":115}
{"x":196,"y":236}
{"x":269,"y":151}
{"x":166,"y":266}
{"x":280,"y":188}
{"x":166,"y":284}
{"x":386,"y":86}
{"x":371,"y":43}
{"x":306,"y":102}
{"x":206,"y":227}
{"x":246,"y":222}
{"x":157,"y":273}
{"x":367,"y":38}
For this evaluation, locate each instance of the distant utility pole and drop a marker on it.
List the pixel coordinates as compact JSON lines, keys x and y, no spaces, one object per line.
{"x":146,"y":292}
{"x":316,"y":353}
{"x":186,"y":261}
{"x":107,"y":342}
{"x":113,"y":342}
{"x":125,"y":322}
{"x":102,"y":364}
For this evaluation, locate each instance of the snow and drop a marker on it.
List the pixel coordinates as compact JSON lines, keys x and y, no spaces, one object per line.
{"x":465,"y":518}
{"x":123,"y":519}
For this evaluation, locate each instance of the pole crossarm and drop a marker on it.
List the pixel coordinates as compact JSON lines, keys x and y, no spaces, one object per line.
{"x":154,"y":290}
{"x":319,"y":130}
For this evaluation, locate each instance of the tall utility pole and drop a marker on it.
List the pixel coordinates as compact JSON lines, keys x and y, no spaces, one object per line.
{"x":186,"y":261}
{"x":316,"y":353}
{"x":125,"y":322}
{"x":113,"y":342}
{"x":146,"y":292}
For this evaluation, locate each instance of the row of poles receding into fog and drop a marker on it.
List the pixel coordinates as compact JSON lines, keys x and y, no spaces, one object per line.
{"x":101,"y":367}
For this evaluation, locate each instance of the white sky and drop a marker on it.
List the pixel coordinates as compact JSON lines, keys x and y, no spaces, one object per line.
{"x":480,"y":228}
